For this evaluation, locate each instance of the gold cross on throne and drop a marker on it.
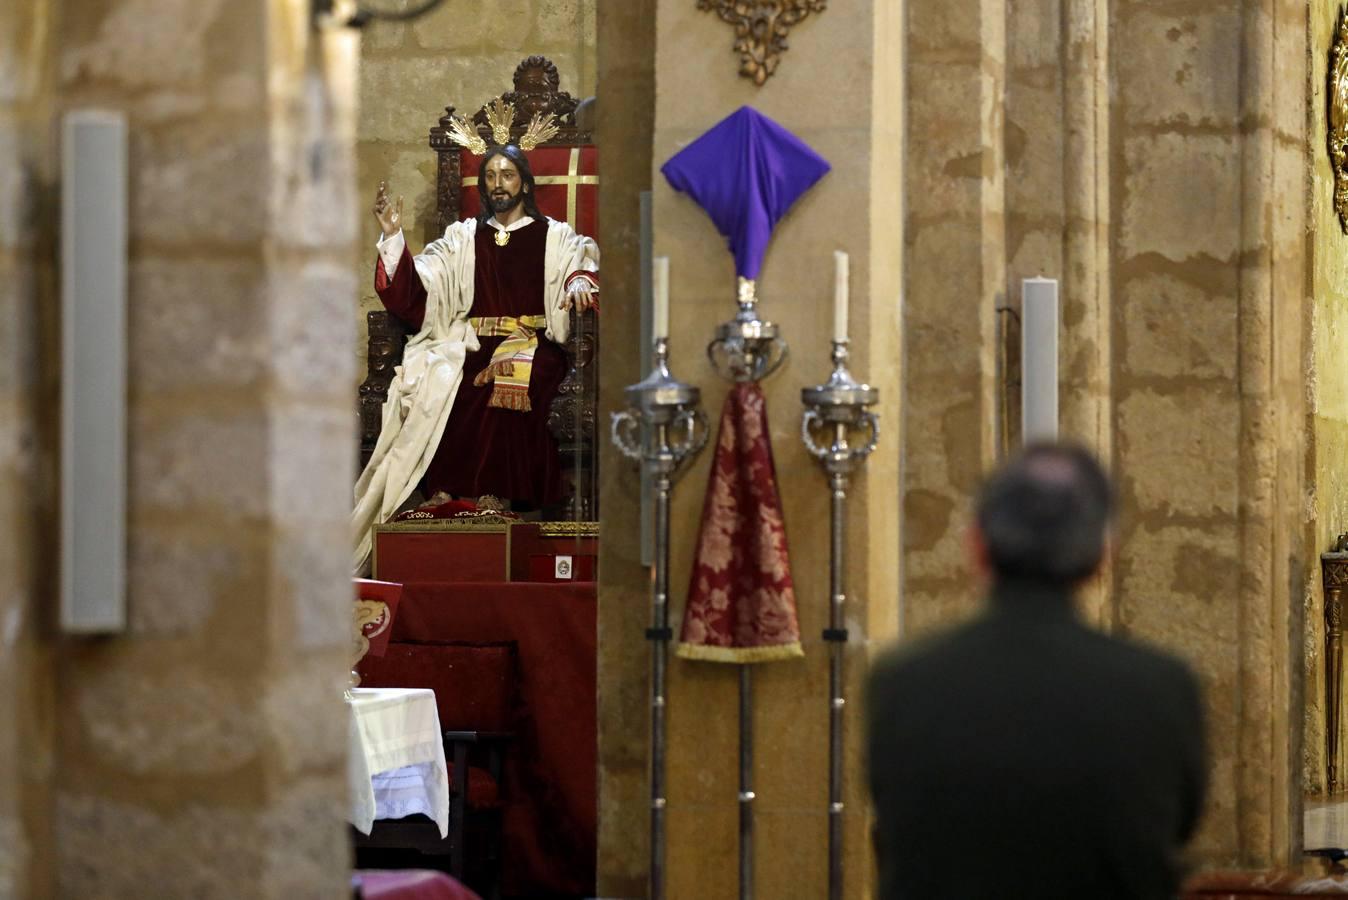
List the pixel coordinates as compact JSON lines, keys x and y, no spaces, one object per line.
{"x":571,"y":179}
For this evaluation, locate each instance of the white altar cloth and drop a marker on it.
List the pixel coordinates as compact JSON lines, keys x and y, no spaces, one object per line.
{"x":396,"y":762}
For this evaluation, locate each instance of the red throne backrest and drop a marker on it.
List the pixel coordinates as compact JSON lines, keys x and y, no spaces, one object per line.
{"x":474,"y":684}
{"x":567,"y":180}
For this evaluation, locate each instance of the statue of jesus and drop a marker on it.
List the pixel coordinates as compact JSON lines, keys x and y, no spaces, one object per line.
{"x":490,"y":303}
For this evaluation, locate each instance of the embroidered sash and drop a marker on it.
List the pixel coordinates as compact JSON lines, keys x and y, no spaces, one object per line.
{"x":513,"y":360}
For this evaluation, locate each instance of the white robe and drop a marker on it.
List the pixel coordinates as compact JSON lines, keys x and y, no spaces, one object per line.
{"x":423,"y":388}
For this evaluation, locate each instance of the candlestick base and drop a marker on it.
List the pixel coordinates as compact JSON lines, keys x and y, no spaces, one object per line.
{"x":747,"y":348}
{"x":663,"y":410}
{"x":841,"y":402}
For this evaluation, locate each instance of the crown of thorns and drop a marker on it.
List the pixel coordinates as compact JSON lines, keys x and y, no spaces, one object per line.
{"x":500,"y":116}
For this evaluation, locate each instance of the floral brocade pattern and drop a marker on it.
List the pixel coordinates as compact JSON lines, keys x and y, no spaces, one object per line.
{"x":741,"y":602}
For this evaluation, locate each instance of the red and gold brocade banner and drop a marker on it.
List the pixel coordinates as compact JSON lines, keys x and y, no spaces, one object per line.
{"x":566,"y":180}
{"x":741,"y":600}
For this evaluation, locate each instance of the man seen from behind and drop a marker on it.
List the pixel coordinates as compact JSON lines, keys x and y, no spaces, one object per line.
{"x":1026,"y":754}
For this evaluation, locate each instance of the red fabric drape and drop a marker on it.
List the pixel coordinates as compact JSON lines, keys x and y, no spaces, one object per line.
{"x":741,"y":600}
{"x":550,"y":782}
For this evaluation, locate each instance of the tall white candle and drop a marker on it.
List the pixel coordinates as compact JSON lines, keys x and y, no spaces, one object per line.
{"x":660,"y":310}
{"x":840,"y":267}
{"x":1039,"y":359}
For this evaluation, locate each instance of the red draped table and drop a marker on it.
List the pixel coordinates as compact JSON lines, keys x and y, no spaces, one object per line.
{"x":550,"y":782}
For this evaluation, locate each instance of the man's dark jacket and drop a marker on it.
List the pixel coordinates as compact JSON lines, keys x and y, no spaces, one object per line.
{"x":1026,"y":755}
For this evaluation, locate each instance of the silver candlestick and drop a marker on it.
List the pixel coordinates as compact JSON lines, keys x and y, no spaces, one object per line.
{"x":663,"y":428}
{"x":747,"y":349}
{"x":838,"y":408}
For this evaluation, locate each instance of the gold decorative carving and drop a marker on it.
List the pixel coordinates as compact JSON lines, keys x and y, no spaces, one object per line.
{"x":761,"y":29}
{"x":540,"y":131}
{"x":500,"y":116}
{"x":567,"y":529}
{"x":370,"y":619}
{"x":464,"y":133}
{"x":1337,"y":96}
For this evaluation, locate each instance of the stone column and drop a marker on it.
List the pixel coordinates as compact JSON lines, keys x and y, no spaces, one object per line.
{"x":956,"y":233}
{"x":1154,"y":162}
{"x":1209,"y":275}
{"x":839,"y":87}
{"x":1328,"y":388}
{"x":201,"y":753}
{"x":626,"y":44}
{"x":27,"y":467}
{"x":1057,"y":187}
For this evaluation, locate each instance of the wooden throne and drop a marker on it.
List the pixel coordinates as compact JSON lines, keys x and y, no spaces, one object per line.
{"x":572,"y":419}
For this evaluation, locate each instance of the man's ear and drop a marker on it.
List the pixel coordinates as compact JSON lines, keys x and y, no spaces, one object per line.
{"x":977,"y":549}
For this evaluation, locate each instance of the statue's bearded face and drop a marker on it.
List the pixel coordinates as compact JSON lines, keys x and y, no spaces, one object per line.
{"x":503,"y":182}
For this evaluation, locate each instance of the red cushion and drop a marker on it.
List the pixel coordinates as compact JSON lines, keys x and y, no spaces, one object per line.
{"x":410,"y":884}
{"x":474,"y":684}
{"x":483,"y":791}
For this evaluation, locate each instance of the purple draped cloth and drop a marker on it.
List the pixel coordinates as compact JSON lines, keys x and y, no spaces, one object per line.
{"x":746,"y":171}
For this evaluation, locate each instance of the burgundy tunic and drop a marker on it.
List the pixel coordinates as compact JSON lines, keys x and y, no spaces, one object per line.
{"x":484,"y":449}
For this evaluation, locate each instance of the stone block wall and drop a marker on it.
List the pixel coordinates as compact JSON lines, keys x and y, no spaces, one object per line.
{"x":202,"y":752}
{"x":626,"y":43}
{"x":1152,"y":158}
{"x":462,"y":54}
{"x":1327,"y":388}
{"x":27,"y":466}
{"x":1208,"y":172}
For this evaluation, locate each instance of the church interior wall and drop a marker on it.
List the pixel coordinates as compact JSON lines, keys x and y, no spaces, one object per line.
{"x":1057,"y":218}
{"x":955,"y":246}
{"x":202,"y":750}
{"x":1207,"y":381}
{"x":1110,"y":146}
{"x":462,"y":53}
{"x":626,"y":119}
{"x":1328,"y":392}
{"x":819,"y":93}
{"x":27,"y":488}
{"x":1207,"y":171}
{"x":1176,"y":197}
{"x":1150,"y":163}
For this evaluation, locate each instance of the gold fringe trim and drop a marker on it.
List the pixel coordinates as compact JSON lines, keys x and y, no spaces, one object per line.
{"x":707,"y":653}
{"x":513,"y":399}
{"x":503,"y":369}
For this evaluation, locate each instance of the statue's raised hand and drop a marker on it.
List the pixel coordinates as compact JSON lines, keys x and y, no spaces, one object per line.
{"x":390,"y":215}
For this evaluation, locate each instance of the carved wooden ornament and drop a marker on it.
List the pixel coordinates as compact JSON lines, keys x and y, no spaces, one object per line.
{"x":761,"y":29}
{"x":1338,"y":117}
